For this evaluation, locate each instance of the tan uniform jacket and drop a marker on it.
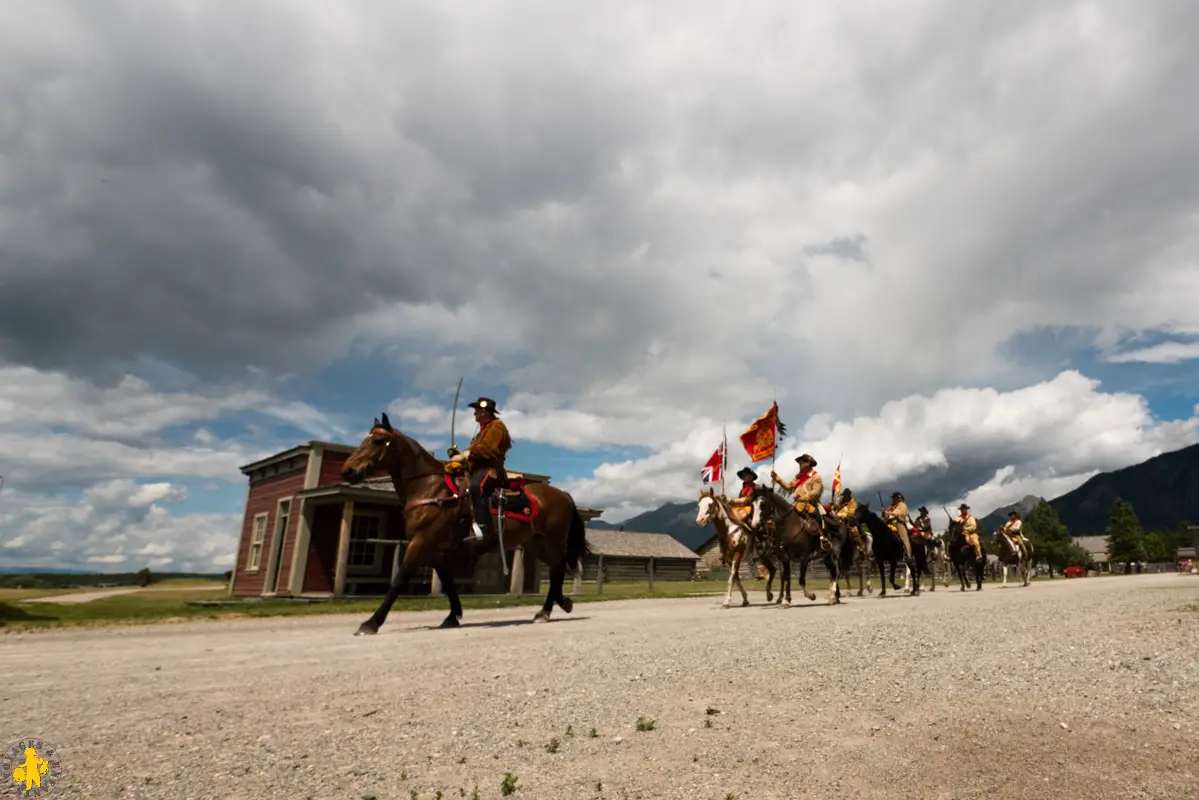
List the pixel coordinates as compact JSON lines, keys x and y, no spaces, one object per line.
{"x":805,"y":491}
{"x":969,"y":525}
{"x":898,"y":514}
{"x":847,"y":510}
{"x":490,"y":446}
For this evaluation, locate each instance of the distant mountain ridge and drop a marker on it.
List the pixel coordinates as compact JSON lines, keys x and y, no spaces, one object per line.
{"x":1164,"y":491}
{"x":998,"y":517}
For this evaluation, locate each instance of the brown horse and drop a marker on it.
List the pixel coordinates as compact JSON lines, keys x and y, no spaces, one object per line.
{"x":436,"y":506}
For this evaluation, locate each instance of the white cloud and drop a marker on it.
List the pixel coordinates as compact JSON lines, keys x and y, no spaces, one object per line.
{"x":59,"y":434}
{"x":1164,"y":353}
{"x":980,"y":445}
{"x":114,"y":527}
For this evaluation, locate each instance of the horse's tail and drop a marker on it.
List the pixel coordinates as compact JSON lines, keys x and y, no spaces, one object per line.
{"x":577,"y":545}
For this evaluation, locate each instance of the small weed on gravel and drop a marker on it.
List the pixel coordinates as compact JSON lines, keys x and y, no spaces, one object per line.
{"x":593,"y":734}
{"x":645,"y":724}
{"x":553,"y":745}
{"x":508,"y":784}
{"x":570,"y":730}
{"x":708,"y":722}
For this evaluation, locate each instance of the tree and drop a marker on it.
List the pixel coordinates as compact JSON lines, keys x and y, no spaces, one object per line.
{"x":1160,"y":548}
{"x":1075,"y":555}
{"x":1051,"y":539}
{"x":1125,"y":537}
{"x":144,"y":578}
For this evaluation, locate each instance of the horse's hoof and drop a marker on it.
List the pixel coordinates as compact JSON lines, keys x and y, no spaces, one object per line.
{"x":567,"y":604}
{"x":787,"y":604}
{"x":541,"y":616}
{"x":366,"y":629}
{"x":744,"y":603}
{"x":449,"y":622}
{"x":724,"y":605}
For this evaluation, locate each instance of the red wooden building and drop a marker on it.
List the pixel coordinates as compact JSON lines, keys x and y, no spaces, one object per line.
{"x":306,"y":533}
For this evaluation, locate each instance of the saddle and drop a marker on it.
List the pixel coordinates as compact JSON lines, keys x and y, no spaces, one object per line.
{"x":518,"y":503}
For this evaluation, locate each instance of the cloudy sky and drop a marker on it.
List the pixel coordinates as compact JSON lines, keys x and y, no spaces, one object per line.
{"x":958,"y":242}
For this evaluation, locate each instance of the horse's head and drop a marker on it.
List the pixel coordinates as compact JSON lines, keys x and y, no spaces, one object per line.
{"x":707,"y":507}
{"x":375,"y":453}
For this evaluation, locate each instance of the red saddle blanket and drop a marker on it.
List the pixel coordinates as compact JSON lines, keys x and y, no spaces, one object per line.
{"x":518,"y":503}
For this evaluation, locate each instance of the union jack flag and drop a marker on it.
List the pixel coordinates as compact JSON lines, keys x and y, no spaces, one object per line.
{"x":714,"y":469}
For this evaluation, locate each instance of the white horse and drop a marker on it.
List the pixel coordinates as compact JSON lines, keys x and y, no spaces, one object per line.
{"x":1013,"y":555}
{"x":732,"y":535}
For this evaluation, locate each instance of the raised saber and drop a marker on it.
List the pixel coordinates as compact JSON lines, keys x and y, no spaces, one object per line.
{"x":454,"y":414}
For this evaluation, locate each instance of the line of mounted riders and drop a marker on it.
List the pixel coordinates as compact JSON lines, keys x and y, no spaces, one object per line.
{"x":843,"y":534}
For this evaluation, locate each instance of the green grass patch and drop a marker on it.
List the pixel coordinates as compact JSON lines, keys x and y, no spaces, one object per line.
{"x":176,"y":602}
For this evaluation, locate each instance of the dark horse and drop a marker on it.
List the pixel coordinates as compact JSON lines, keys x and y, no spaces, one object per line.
{"x":961,"y":555}
{"x":888,"y":548}
{"x":798,"y":538}
{"x":434,"y":513}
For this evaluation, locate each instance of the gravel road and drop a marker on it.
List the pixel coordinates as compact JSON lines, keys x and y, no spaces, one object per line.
{"x":1067,"y":689}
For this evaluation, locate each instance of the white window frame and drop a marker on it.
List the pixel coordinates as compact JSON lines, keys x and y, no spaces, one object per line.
{"x":257,"y":540}
{"x":374,"y":550}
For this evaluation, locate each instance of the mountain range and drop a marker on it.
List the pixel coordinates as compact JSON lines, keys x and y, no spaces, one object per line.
{"x":1164,"y":492}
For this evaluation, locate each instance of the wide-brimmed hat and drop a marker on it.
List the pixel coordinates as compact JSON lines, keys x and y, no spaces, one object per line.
{"x":896,"y":494}
{"x":1015,"y":514}
{"x":806,"y":459}
{"x":923,"y":509}
{"x":963,"y":507}
{"x":747,"y":474}
{"x":484,"y":404}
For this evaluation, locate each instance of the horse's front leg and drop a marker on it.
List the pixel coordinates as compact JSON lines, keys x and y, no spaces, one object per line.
{"x":414,"y":557}
{"x":737,"y":577}
{"x":803,"y":577}
{"x":734,"y":565}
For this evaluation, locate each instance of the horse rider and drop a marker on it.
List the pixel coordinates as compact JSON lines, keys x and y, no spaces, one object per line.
{"x":923,"y":526}
{"x":846,"y":508}
{"x":1014,"y":528}
{"x":484,"y":457}
{"x":806,"y":489}
{"x":741,"y":504}
{"x":970,"y":530}
{"x":896,"y":515}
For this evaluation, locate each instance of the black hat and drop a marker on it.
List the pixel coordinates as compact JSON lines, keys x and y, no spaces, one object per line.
{"x":747,"y":474}
{"x":896,"y":494}
{"x":923,"y":509}
{"x":484,"y":404}
{"x":847,"y":492}
{"x":806,"y":458}
{"x":963,"y":507}
{"x":1014,"y":513}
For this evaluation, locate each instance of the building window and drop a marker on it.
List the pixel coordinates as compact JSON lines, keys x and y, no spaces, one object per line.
{"x":257,"y":537}
{"x":365,"y":556}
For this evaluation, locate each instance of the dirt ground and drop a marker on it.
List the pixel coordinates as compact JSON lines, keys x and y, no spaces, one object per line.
{"x":1081,"y":688}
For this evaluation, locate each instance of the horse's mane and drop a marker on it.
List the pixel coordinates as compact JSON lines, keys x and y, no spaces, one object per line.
{"x":417,"y":451}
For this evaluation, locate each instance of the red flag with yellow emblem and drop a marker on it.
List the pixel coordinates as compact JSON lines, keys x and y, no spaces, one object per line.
{"x":761,"y":439}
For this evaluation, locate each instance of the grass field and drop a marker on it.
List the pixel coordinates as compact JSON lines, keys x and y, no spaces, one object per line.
{"x":172,"y":600}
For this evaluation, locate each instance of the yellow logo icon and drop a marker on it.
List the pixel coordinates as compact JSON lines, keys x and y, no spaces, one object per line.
{"x":31,"y":767}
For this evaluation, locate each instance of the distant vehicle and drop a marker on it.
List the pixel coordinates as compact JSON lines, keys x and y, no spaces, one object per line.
{"x":1074,"y":572}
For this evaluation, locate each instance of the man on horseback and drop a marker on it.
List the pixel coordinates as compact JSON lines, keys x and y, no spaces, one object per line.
{"x":970,"y":530}
{"x":846,"y":508}
{"x":485,"y":459}
{"x":807,"y":487}
{"x":741,"y":505}
{"x":1014,"y":528}
{"x":923,"y":525}
{"x":896,"y":516}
